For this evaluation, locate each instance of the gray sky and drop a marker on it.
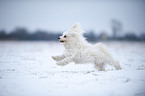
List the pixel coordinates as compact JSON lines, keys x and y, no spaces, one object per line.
{"x":59,"y":15}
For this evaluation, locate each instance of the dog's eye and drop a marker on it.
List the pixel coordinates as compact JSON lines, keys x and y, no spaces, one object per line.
{"x":64,"y":36}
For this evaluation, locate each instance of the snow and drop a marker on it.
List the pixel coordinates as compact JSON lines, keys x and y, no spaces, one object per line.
{"x":27,"y":69}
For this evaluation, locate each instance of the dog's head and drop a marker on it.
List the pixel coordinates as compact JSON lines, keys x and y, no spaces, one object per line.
{"x":72,"y":35}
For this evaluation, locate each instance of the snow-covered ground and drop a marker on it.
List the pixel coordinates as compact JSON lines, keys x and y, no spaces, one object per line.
{"x":27,"y":69}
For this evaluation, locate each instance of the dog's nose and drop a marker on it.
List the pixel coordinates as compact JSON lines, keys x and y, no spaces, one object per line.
{"x":58,"y":38}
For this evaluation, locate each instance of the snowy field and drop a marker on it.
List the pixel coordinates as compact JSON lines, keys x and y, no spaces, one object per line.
{"x":27,"y":69}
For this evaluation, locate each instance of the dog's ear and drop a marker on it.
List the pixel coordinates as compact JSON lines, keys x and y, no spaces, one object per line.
{"x":76,"y":26}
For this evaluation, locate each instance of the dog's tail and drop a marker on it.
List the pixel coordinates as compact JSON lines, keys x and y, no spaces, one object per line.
{"x":109,"y":57}
{"x":102,"y":47}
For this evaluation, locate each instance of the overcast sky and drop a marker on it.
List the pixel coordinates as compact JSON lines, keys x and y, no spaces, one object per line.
{"x":59,"y":15}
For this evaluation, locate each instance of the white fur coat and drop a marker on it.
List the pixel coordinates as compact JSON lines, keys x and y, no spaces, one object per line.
{"x":78,"y":50}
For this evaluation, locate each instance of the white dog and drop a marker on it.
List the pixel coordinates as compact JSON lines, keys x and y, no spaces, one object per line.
{"x":78,"y":50}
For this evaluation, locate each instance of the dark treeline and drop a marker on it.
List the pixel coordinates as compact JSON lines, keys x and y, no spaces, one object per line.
{"x":23,"y":34}
{"x":116,"y":27}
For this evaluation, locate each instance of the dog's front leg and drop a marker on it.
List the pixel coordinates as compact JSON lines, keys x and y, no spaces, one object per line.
{"x":58,"y":58}
{"x":65,"y":61}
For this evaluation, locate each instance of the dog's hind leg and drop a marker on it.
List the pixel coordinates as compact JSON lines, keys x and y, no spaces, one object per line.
{"x":115,"y":64}
{"x":100,"y":65}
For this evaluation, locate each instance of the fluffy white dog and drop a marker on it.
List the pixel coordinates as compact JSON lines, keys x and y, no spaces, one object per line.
{"x":78,"y":50}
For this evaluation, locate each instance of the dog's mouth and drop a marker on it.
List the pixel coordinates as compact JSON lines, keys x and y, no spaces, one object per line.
{"x":62,"y":41}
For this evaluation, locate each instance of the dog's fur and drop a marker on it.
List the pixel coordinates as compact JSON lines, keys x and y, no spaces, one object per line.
{"x":78,"y":50}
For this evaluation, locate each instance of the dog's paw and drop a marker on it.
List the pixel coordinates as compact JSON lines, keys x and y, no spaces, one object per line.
{"x":60,"y":64}
{"x":53,"y":57}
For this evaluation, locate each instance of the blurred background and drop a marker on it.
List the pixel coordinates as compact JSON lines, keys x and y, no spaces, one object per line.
{"x":47,"y":19}
{"x":26,"y":66}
